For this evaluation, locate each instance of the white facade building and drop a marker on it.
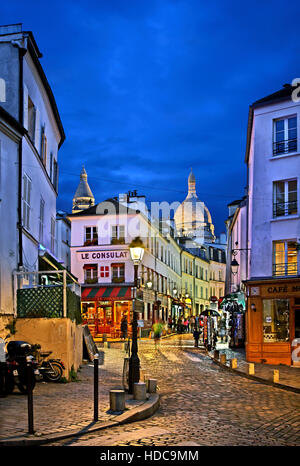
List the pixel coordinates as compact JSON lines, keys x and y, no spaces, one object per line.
{"x":273,"y":234}
{"x":30,"y":102}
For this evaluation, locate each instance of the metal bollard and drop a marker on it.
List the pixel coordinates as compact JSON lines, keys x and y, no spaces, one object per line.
{"x":29,"y":396}
{"x":96,"y":386}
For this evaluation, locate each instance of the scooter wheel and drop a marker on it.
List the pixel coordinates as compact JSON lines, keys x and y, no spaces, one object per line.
{"x":56,"y":374}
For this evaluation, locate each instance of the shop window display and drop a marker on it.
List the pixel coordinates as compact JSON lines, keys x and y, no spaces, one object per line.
{"x":276,"y":320}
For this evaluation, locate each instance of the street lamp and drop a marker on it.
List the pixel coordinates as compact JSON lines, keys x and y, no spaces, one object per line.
{"x":136,"y":248}
{"x":234,"y":266}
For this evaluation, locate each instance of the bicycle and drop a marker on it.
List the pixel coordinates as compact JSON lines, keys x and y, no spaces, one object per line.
{"x":125,"y":375}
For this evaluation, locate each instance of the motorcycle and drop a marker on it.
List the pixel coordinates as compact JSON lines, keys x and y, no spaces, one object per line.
{"x":50,"y":369}
{"x":20,"y":368}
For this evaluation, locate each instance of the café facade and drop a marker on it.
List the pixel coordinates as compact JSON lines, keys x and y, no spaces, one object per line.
{"x":273,"y":321}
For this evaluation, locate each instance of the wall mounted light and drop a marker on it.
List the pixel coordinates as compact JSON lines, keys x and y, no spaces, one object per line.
{"x":253,"y":307}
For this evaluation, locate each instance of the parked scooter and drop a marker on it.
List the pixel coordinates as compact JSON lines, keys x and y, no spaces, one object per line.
{"x":15,"y":372}
{"x":50,"y":369}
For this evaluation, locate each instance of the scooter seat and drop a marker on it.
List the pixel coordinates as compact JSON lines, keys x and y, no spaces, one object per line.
{"x":44,"y":354}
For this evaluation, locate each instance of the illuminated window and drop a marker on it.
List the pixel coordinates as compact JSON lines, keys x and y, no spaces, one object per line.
{"x":284,"y":258}
{"x":275,"y":320}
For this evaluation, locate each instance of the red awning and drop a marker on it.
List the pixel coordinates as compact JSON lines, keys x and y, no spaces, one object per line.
{"x":106,"y":293}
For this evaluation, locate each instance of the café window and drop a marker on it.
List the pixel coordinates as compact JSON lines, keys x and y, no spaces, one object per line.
{"x":118,"y":273}
{"x":284,"y":258}
{"x":90,"y":236}
{"x":90,"y":273}
{"x":104,"y":271}
{"x":275,"y":320}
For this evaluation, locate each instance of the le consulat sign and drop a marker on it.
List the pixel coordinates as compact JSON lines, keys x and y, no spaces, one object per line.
{"x":102,"y":255}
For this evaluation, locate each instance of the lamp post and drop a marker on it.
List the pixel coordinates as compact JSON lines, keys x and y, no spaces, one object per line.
{"x":136,"y":252}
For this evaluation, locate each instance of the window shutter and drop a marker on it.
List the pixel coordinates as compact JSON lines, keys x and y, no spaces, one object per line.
{"x":37,"y":132}
{"x":25,"y":107}
{"x":28,"y":201}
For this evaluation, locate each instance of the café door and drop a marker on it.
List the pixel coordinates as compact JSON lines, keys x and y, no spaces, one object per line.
{"x":104,"y":317}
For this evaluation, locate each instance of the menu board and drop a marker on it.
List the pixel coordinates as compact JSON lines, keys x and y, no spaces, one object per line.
{"x":89,"y":343}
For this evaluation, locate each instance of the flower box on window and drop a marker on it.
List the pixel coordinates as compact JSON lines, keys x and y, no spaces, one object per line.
{"x":118,"y":279}
{"x":118,"y":241}
{"x":91,"y":280}
{"x":91,"y":242}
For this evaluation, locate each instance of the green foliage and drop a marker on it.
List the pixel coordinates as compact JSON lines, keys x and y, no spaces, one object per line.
{"x":73,"y":377}
{"x":12,"y":327}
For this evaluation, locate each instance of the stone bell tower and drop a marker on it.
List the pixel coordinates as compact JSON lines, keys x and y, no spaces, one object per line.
{"x":83,"y":198}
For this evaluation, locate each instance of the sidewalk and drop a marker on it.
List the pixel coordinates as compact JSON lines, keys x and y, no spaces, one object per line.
{"x":289,"y":376}
{"x":62,"y":410}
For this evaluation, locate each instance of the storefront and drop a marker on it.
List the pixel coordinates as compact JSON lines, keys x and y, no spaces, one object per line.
{"x":103,"y":308}
{"x":233,"y":309}
{"x":273,"y":321}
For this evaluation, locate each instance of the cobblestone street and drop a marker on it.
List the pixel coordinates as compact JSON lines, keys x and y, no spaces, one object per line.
{"x":203,"y":404}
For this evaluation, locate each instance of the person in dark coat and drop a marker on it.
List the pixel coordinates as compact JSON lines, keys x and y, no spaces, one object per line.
{"x":196,"y":335}
{"x":124,"y":327}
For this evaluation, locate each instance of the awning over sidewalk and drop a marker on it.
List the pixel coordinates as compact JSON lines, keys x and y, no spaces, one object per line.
{"x":234,"y":298}
{"x":106,"y":293}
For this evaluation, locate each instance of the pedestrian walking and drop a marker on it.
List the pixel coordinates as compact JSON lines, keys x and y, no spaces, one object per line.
{"x":124,"y":327}
{"x":157,"y":331}
{"x":192,"y":323}
{"x":179,"y":325}
{"x":196,"y":335}
{"x":186,"y":325}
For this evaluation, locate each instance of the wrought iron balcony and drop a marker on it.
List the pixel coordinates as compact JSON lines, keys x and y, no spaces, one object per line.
{"x":284,"y":147}
{"x":284,"y":208}
{"x":283,"y":270}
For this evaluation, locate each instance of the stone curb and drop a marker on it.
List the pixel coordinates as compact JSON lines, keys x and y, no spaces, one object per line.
{"x":139,"y":413}
{"x":254,"y":377}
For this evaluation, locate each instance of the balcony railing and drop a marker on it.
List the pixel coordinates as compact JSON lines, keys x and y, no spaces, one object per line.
{"x":283,"y":270}
{"x":284,"y":208}
{"x":284,"y":147}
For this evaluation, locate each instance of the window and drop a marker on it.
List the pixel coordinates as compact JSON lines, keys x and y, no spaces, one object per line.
{"x":51,"y":166}
{"x":276,"y":320}
{"x":43,"y":146}
{"x":26,"y":201}
{"x":284,"y":258}
{"x":285,"y":136}
{"x":52,"y":235}
{"x":118,"y":234}
{"x":104,"y":271}
{"x":90,"y":273}
{"x":41,"y":220}
{"x":55,"y":175}
{"x":118,"y":273}
{"x":284,"y":198}
{"x":31,"y":119}
{"x":90,"y":236}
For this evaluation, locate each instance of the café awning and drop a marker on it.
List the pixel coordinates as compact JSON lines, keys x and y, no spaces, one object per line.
{"x":106,"y":293}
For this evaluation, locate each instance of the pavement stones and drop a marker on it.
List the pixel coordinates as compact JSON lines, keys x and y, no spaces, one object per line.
{"x":62,"y":410}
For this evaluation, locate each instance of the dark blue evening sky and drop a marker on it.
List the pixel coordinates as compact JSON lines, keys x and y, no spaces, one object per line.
{"x":147,"y":89}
